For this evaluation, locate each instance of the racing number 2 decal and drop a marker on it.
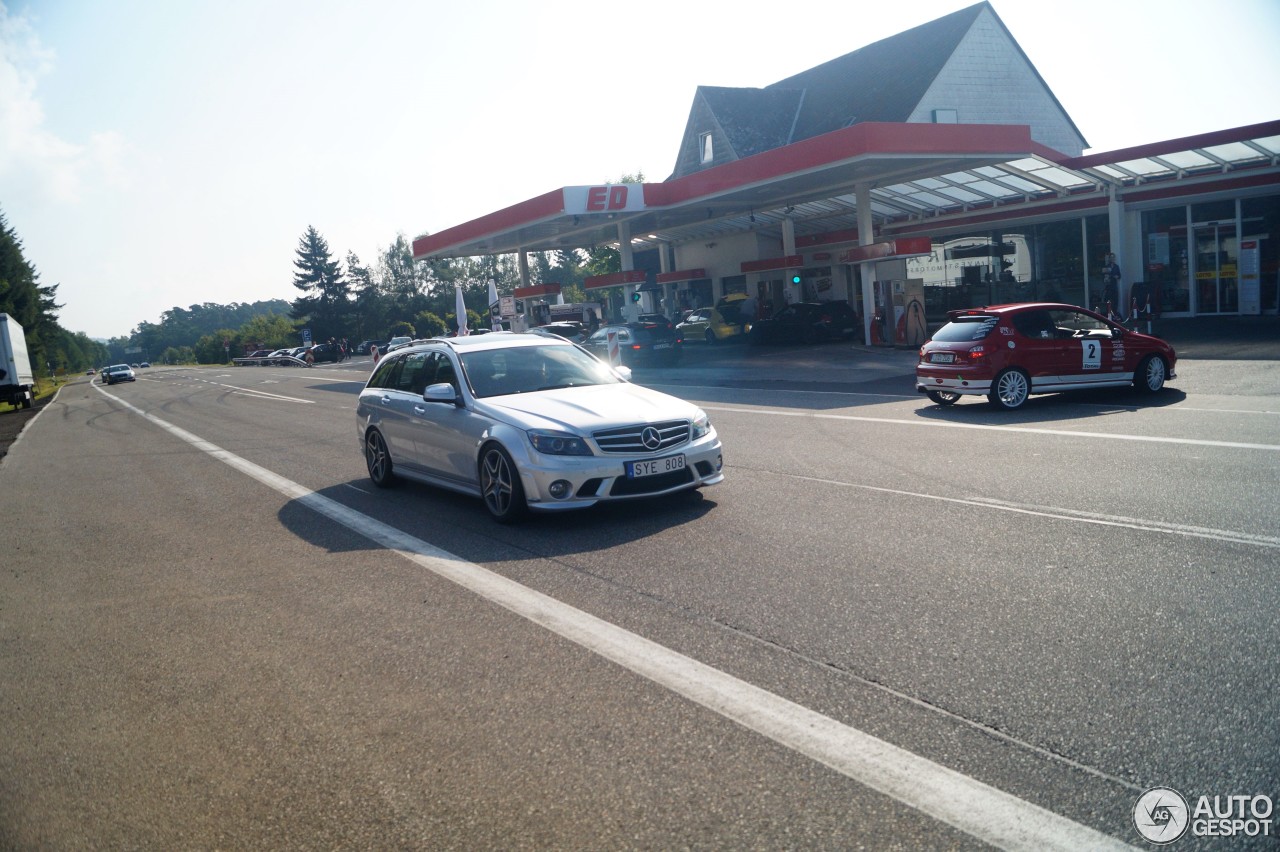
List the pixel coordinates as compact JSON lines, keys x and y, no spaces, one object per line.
{"x":1092,"y":354}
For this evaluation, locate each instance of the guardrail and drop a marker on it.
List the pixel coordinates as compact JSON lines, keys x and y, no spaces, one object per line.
{"x":277,"y":361}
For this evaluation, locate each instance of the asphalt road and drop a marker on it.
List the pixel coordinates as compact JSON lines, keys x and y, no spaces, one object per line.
{"x":893,"y":626}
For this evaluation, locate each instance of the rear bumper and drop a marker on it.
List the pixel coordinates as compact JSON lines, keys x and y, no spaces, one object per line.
{"x":952,"y":381}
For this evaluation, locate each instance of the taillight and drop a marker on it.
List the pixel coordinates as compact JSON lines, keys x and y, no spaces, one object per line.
{"x":977,"y":353}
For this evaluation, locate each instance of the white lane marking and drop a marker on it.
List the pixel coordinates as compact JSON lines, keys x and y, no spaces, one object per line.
{"x":656,"y":385}
{"x":261,"y":395}
{"x":1028,"y":430}
{"x":1133,"y":408}
{"x":1056,"y":513}
{"x":252,"y":392}
{"x":980,"y":810}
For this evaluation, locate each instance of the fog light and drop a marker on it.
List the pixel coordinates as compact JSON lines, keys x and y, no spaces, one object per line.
{"x":719,"y":462}
{"x":560,"y":489}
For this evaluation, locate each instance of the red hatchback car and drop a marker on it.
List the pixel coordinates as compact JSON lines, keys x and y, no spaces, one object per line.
{"x":1009,"y":352}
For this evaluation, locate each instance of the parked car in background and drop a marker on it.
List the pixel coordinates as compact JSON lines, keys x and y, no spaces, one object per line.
{"x":395,"y":343}
{"x":655,"y":319}
{"x":575,"y":331}
{"x":529,"y":422}
{"x":1009,"y":352}
{"x":325,"y":352}
{"x":711,"y":325}
{"x":117,"y":373}
{"x":807,"y":322}
{"x":639,"y":344}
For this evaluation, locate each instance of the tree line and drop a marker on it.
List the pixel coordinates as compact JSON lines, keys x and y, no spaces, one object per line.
{"x":356,"y":301}
{"x":341,"y":299}
{"x":35,"y":307}
{"x":397,"y":295}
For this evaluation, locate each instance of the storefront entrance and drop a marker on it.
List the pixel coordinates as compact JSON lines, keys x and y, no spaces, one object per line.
{"x":1217,"y":250}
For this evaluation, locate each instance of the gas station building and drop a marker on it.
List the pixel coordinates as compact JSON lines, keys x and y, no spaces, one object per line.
{"x":929,"y":171}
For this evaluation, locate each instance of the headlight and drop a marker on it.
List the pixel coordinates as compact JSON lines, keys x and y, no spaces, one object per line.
{"x":701,"y":425}
{"x":558,"y":443}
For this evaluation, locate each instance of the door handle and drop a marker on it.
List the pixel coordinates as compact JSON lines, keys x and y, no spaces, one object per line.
{"x":418,"y":409}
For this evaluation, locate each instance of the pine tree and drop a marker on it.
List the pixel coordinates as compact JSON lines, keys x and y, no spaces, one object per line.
{"x":326,"y":301}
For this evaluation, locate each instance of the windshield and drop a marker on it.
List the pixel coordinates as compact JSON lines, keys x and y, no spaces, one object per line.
{"x":529,"y":369}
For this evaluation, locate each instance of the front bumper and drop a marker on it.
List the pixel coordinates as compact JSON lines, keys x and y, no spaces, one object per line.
{"x":597,"y":479}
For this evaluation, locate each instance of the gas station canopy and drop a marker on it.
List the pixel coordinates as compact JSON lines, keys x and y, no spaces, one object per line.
{"x":914,"y":172}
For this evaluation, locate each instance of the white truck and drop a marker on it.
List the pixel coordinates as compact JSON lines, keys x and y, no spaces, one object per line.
{"x":589,"y":314}
{"x":17,"y":382}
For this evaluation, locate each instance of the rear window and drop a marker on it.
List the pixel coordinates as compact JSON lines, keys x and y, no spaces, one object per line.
{"x":963,"y":329}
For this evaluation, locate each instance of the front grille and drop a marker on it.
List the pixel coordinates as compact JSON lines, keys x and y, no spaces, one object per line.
{"x":629,"y":439}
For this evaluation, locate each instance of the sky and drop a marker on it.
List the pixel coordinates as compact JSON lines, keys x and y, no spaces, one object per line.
{"x":158,"y":154}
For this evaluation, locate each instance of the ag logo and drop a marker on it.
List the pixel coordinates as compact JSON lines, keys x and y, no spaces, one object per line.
{"x":1161,"y":815}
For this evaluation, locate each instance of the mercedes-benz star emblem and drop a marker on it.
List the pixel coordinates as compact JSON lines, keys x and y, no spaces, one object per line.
{"x":650,"y":438}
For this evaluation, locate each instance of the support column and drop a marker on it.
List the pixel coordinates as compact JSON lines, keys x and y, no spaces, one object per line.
{"x":1116,"y":234}
{"x":866,"y":235}
{"x":520,"y":322}
{"x":788,"y":249}
{"x":668,"y":290}
{"x":630,"y":310}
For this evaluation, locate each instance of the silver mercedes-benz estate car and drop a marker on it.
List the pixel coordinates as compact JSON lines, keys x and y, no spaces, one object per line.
{"x":527,"y":421}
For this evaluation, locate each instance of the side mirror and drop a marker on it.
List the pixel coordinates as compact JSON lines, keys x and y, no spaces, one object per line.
{"x":624,"y":373}
{"x":442,"y":392}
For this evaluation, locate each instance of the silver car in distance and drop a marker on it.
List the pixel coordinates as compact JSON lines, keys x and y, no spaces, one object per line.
{"x":527,"y":421}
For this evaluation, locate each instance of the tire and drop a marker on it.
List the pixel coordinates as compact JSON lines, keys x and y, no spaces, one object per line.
{"x":1150,"y":375}
{"x":943,"y":397}
{"x":378,"y":460}
{"x":500,"y":485}
{"x":1009,"y":390}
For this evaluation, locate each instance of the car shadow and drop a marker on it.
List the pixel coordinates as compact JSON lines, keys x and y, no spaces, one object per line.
{"x":352,"y":388}
{"x":821,"y":377}
{"x":462,"y":524}
{"x":1068,"y":405}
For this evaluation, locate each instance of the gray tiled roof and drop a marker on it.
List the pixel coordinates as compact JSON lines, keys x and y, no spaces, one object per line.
{"x":754,"y":120}
{"x":883,"y":81}
{"x":886,"y":81}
